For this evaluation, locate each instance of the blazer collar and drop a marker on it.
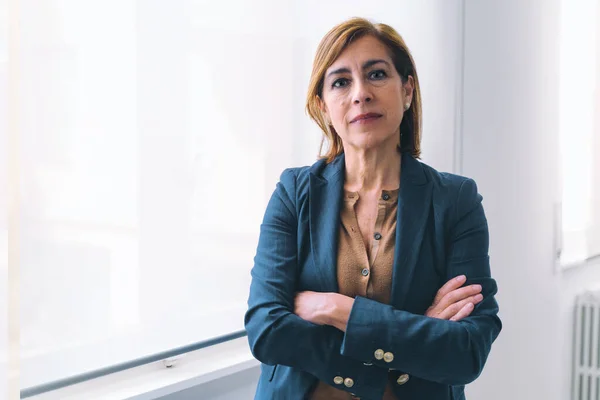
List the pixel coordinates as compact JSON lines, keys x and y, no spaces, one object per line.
{"x":411,"y":170}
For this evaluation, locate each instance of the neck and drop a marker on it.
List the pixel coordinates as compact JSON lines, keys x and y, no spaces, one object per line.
{"x":372,"y":169}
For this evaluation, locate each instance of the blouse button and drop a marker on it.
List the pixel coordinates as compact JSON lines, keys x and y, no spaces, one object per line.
{"x":377,"y":236}
{"x":386,"y":197}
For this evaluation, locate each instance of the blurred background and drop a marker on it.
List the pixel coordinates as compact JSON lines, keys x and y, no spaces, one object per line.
{"x":130,"y":227}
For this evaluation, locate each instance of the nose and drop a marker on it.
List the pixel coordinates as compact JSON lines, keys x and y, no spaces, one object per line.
{"x":362,"y":93}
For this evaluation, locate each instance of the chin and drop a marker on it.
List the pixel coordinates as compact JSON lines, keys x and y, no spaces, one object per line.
{"x":371,"y":140}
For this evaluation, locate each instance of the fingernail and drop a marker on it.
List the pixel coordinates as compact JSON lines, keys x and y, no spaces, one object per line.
{"x":478,"y":297}
{"x":477,"y":287}
{"x":461,"y":277}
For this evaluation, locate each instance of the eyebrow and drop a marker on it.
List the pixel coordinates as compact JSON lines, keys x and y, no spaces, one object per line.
{"x":367,"y":64}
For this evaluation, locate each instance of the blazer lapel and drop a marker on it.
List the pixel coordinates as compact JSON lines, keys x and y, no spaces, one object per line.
{"x":326,"y":189}
{"x":414,"y":203}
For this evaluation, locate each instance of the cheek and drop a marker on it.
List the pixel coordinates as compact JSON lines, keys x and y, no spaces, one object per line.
{"x":396,"y":117}
{"x":338,"y":108}
{"x":395,"y":106}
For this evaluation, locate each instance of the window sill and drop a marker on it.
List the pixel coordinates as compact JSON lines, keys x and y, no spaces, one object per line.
{"x":154,"y":380}
{"x":561,"y":266}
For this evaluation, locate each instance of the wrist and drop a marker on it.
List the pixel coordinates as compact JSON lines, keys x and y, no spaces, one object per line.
{"x":339,"y":311}
{"x":327,"y":310}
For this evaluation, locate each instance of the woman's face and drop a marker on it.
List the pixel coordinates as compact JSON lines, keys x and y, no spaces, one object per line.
{"x":363,"y":96}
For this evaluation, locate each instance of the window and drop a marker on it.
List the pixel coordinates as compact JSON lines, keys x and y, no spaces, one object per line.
{"x":8,"y":335}
{"x":580,"y":130}
{"x":146,"y":159}
{"x":152,"y":136}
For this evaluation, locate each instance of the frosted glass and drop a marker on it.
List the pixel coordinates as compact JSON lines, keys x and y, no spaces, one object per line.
{"x":152,"y":136}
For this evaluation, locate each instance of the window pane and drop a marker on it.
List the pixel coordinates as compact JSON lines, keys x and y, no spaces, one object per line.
{"x":578,"y":111}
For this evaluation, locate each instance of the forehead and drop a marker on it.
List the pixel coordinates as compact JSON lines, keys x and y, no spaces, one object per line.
{"x":361,"y":50}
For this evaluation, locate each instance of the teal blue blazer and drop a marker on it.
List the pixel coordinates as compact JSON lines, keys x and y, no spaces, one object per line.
{"x":442,"y":232}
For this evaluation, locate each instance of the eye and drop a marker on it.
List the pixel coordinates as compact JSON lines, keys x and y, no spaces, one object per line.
{"x":377,"y":75}
{"x":339,"y":83}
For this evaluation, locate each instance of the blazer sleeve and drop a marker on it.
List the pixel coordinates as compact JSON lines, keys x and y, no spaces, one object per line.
{"x":449,"y":352}
{"x":278,"y":336}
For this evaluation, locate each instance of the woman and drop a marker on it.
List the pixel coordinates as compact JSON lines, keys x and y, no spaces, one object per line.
{"x":371,"y":278}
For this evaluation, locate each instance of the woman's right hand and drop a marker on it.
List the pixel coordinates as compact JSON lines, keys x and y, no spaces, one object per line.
{"x":453,"y":302}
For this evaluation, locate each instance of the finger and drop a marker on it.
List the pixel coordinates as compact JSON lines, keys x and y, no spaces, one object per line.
{"x":455,"y":308}
{"x":459,"y":294}
{"x":464,"y":312}
{"x":448,"y":287}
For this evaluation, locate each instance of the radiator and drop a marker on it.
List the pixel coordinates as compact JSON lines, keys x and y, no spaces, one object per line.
{"x":586,"y":366}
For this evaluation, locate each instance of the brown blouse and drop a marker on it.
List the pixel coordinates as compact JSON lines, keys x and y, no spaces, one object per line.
{"x":361,"y":275}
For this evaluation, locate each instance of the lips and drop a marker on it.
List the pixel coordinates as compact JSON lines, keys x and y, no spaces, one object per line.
{"x":365,"y":117}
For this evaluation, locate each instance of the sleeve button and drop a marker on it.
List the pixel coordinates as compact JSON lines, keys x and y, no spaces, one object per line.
{"x":402,"y":379}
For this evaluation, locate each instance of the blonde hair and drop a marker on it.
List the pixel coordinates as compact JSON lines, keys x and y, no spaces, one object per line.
{"x":330,"y":48}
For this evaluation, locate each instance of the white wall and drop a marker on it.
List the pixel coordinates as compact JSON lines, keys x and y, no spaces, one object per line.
{"x":510,"y":149}
{"x":509,"y":145}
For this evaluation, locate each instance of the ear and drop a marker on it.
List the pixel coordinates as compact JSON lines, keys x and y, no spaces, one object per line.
{"x":323,"y":109}
{"x":409,"y":88}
